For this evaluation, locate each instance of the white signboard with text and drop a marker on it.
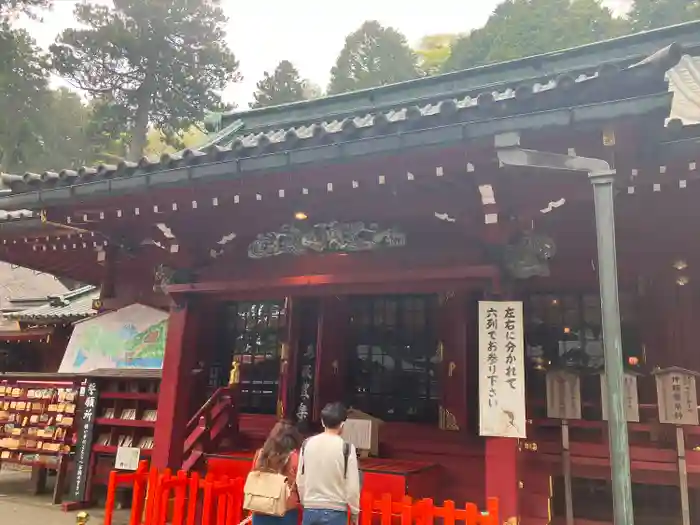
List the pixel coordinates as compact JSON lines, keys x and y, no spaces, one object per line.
{"x":563,"y":395}
{"x":629,"y":394}
{"x":127,"y":458}
{"x":501,"y":369}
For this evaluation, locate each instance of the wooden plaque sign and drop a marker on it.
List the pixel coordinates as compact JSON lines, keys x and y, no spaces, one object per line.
{"x":629,"y":393}
{"x":501,"y":369}
{"x":362,"y":430}
{"x":677,"y":397}
{"x":563,"y":395}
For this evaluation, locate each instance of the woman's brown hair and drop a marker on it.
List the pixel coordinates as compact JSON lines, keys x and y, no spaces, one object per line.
{"x":282,"y":441}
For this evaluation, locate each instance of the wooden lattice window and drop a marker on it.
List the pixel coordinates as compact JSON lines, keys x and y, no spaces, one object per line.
{"x":393,"y":364}
{"x":567,"y":327}
{"x":254,"y":332}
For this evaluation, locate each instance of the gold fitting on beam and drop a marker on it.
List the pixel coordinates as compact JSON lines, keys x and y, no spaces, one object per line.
{"x":82,"y":518}
{"x":531,"y":446}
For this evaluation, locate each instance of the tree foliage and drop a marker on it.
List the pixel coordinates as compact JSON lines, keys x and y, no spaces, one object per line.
{"x":373,"y":56}
{"x":23,"y":84}
{"x":282,"y":86}
{"x":312,"y":90}
{"x":11,"y":9}
{"x":41,"y":128}
{"x":148,"y":62}
{"x":652,"y":14}
{"x":434,"y":50}
{"x":520,"y":28}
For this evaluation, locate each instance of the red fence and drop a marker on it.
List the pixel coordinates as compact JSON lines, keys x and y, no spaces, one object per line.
{"x":188,"y":499}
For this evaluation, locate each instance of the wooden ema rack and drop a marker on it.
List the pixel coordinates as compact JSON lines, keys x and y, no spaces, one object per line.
{"x":37,"y":426}
{"x":125,"y":416}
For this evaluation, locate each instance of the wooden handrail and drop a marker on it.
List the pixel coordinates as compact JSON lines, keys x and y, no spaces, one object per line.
{"x":205,"y":407}
{"x":206,"y":428}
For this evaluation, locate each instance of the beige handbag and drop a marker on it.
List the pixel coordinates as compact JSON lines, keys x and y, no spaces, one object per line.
{"x":266,"y":493}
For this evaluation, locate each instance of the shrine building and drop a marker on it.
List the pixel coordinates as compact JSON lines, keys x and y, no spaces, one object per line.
{"x":337,"y":249}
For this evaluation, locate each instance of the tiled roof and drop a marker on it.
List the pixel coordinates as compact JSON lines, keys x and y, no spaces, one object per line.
{"x":21,"y":284}
{"x":66,"y":308}
{"x":130,"y":373}
{"x":622,"y":51}
{"x":685,"y":82}
{"x":15,"y":215}
{"x":456,"y":116}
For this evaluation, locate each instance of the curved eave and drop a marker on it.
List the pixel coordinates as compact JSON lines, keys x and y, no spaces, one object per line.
{"x":447,"y":135}
{"x":623,"y":50}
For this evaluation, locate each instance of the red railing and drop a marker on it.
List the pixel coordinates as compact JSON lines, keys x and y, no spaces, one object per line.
{"x":188,"y":499}
{"x":216,"y":419}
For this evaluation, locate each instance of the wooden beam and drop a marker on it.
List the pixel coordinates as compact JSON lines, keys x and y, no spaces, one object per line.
{"x":446,"y":277}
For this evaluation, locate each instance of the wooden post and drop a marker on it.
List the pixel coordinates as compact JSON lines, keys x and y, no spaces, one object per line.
{"x":501,"y":467}
{"x":180,"y":359}
{"x":678,"y":405}
{"x":683,"y":475}
{"x":566,"y":463}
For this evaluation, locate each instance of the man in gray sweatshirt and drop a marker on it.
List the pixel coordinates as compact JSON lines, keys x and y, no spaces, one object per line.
{"x":328,"y":477}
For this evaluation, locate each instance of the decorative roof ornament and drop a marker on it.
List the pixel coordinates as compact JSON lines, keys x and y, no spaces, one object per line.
{"x":529,"y":255}
{"x":325,"y":237}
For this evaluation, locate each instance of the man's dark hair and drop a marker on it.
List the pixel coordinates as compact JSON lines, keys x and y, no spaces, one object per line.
{"x":333,"y":415}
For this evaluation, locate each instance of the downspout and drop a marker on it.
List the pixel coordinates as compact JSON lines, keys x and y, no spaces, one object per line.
{"x":602,"y":177}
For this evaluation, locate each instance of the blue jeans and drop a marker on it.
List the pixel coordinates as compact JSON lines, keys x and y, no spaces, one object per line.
{"x":291,"y":518}
{"x":324,"y":517}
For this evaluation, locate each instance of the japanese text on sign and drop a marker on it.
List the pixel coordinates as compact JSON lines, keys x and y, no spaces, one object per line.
{"x":630,"y":397}
{"x":84,"y":443}
{"x":677,"y":397}
{"x":308,"y":363}
{"x":501,"y":368}
{"x":563,"y":395}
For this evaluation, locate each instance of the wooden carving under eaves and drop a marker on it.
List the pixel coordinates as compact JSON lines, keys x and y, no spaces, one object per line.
{"x":325,"y":237}
{"x":528,"y":255}
{"x":163,"y":276}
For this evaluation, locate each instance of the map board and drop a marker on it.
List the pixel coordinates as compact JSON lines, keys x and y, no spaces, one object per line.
{"x":132,"y":337}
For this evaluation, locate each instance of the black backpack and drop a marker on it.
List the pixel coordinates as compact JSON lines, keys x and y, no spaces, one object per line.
{"x":346,"y":456}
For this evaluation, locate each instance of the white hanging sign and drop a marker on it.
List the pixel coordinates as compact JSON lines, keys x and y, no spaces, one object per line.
{"x":127,"y":458}
{"x":563,"y":395}
{"x":677,"y":396}
{"x":629,"y":394}
{"x":501,"y":369}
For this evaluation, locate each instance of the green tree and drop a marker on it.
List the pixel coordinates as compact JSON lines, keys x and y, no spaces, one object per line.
{"x":434,"y":50}
{"x":651,"y":14}
{"x":520,"y":28}
{"x":373,"y":56}
{"x":312,"y":90}
{"x":150,"y":62}
{"x":41,"y":129}
{"x":23,"y":84}
{"x":10,"y":9}
{"x":64,"y":131}
{"x":282,"y":86}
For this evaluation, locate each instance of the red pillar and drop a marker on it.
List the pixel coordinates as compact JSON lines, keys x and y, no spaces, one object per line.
{"x":502,"y":481}
{"x":179,"y":361}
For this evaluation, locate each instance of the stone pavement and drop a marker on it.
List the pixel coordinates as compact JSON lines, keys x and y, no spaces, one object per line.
{"x":19,"y":507}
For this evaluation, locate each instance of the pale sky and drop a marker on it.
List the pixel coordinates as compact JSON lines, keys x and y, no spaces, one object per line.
{"x":309,"y":33}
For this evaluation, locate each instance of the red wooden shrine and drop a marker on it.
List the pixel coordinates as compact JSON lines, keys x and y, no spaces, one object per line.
{"x":247,"y":245}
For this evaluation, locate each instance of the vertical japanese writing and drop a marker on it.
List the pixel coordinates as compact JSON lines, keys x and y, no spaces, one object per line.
{"x":492,"y":355}
{"x":677,"y":397}
{"x":84,"y":442}
{"x":501,"y":387}
{"x":308,"y":362}
{"x":511,"y":356}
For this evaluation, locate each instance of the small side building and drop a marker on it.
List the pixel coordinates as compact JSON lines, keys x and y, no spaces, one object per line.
{"x":34,"y":331}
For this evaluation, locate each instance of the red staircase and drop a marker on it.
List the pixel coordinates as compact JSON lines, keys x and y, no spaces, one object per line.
{"x":215,"y":421}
